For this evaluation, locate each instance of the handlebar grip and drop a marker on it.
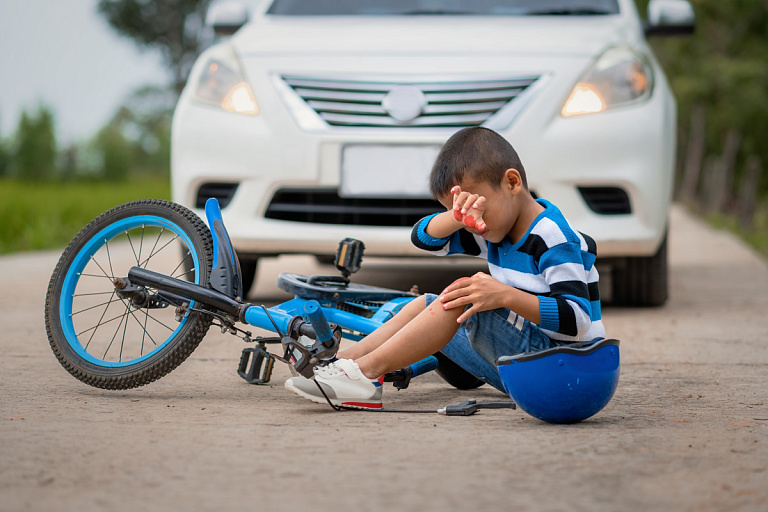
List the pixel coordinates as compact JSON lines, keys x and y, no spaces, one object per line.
{"x":425,"y":365}
{"x":315,"y":315}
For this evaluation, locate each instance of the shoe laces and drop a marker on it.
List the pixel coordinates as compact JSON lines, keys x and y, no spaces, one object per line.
{"x":332,"y":370}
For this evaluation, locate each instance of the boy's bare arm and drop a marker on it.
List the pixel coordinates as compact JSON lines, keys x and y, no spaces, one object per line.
{"x":467,"y":211}
{"x":484,"y":293}
{"x":443,"y":224}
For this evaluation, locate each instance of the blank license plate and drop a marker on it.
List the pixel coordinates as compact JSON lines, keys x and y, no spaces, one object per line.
{"x":386,"y":171}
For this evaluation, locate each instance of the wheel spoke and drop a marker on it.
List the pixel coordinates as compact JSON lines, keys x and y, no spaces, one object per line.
{"x":160,"y":249}
{"x":109,"y":258}
{"x":160,"y":234}
{"x":96,"y":275}
{"x":110,"y":301}
{"x":122,"y":317}
{"x":141,"y":243}
{"x":94,"y":293}
{"x":132,"y":249}
{"x":108,"y":333}
{"x":144,"y":335}
{"x":100,"y":268}
{"x":99,"y":324}
{"x":144,"y":328}
{"x":190,"y":271}
{"x":180,"y":263}
{"x":122,"y":343}
{"x":161,"y":323}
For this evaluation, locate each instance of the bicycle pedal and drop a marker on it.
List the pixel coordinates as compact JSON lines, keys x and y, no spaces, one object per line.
{"x":259,"y":371}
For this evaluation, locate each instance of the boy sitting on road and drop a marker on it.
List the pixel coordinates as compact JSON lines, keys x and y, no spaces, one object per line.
{"x":542,"y":290}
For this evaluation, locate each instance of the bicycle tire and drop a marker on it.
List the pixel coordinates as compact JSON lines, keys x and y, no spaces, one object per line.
{"x":90,"y":263}
{"x":455,"y":375}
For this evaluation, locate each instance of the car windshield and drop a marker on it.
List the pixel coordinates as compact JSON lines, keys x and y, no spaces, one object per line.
{"x":443,"y":7}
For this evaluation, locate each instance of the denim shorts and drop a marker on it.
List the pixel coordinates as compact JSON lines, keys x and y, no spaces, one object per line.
{"x":488,"y":335}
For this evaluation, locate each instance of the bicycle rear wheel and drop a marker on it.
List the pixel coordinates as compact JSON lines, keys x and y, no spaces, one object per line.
{"x":105,"y":340}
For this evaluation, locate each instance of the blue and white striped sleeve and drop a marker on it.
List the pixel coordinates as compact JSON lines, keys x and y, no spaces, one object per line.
{"x":566,"y":309}
{"x":458,"y":242}
{"x":426,"y":242}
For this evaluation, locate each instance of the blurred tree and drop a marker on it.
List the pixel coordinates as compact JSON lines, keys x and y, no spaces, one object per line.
{"x":137,"y":138}
{"x":115,"y":152}
{"x":34,"y":155}
{"x":149,"y":125}
{"x":722,"y":71}
{"x":69,"y":168}
{"x":4,"y":156}
{"x":174,"y":27}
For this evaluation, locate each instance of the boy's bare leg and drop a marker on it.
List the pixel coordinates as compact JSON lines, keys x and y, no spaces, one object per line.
{"x":430,"y":331}
{"x":386,"y":331}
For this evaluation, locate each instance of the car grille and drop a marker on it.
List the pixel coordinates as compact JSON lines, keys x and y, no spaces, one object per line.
{"x":325,"y":206}
{"x":448,"y":104}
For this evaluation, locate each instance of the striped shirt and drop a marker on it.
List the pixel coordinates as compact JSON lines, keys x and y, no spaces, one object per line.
{"x":552,"y":261}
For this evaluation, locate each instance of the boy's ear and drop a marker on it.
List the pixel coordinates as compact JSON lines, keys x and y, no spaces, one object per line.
{"x":512,"y":180}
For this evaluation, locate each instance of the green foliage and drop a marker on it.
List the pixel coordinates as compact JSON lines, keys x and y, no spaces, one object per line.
{"x":137,"y":138}
{"x":756,"y":237}
{"x":34,"y":155}
{"x":48,"y":215}
{"x":5,"y":158}
{"x":724,"y":67}
{"x":115,"y":153}
{"x":173,"y":27}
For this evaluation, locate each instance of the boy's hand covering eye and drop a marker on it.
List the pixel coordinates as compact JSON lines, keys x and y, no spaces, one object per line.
{"x":481,"y":291}
{"x":468,"y":208}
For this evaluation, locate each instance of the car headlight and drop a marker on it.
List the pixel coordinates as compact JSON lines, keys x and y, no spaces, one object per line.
{"x":223,"y":84}
{"x":620,"y":76}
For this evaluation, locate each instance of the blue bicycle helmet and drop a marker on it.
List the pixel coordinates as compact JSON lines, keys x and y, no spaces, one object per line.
{"x":563,"y":384}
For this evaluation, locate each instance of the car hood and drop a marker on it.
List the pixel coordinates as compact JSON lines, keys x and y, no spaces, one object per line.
{"x":447,"y":35}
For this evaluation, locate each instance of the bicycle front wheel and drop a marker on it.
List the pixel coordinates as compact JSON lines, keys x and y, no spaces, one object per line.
{"x":108,"y":341}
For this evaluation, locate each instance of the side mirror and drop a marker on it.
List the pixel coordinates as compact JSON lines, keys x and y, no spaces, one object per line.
{"x":670,"y":17}
{"x":226,"y":18}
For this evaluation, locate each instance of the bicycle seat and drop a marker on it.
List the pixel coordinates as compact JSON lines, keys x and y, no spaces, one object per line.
{"x":334,"y":289}
{"x":565,"y":384}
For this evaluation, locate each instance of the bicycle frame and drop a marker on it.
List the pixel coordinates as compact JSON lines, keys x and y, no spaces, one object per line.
{"x":292,"y":319}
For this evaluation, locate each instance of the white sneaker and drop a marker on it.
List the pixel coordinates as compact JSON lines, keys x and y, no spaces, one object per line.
{"x":300,"y":380}
{"x":343,"y":383}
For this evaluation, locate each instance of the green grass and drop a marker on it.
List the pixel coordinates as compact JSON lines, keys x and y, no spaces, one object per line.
{"x":756,"y":236}
{"x":36,"y":216}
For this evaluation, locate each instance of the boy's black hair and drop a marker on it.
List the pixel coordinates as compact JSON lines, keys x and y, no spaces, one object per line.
{"x":477,"y":153}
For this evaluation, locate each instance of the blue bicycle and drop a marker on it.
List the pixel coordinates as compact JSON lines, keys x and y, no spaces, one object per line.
{"x":136,"y":291}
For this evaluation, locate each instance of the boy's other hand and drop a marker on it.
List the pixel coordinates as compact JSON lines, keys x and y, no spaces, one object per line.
{"x":468,"y":208}
{"x":481,"y":291}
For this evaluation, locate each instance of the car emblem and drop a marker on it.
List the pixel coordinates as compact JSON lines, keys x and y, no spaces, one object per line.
{"x":404,"y":102}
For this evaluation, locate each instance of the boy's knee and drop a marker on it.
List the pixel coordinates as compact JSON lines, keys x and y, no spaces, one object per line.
{"x":436,"y":308}
{"x":418,"y":304}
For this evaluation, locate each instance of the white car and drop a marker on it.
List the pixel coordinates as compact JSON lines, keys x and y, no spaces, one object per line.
{"x":319,"y":120}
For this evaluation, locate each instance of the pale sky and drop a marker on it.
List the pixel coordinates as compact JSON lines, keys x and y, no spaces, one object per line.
{"x":61,"y":52}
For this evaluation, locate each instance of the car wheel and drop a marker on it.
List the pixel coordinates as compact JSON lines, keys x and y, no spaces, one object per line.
{"x":642,"y":281}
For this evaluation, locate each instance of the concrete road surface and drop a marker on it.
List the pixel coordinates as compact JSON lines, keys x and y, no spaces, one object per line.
{"x":686,"y":430}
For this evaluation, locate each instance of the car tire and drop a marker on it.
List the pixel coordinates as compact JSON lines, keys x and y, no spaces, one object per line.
{"x":642,"y":281}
